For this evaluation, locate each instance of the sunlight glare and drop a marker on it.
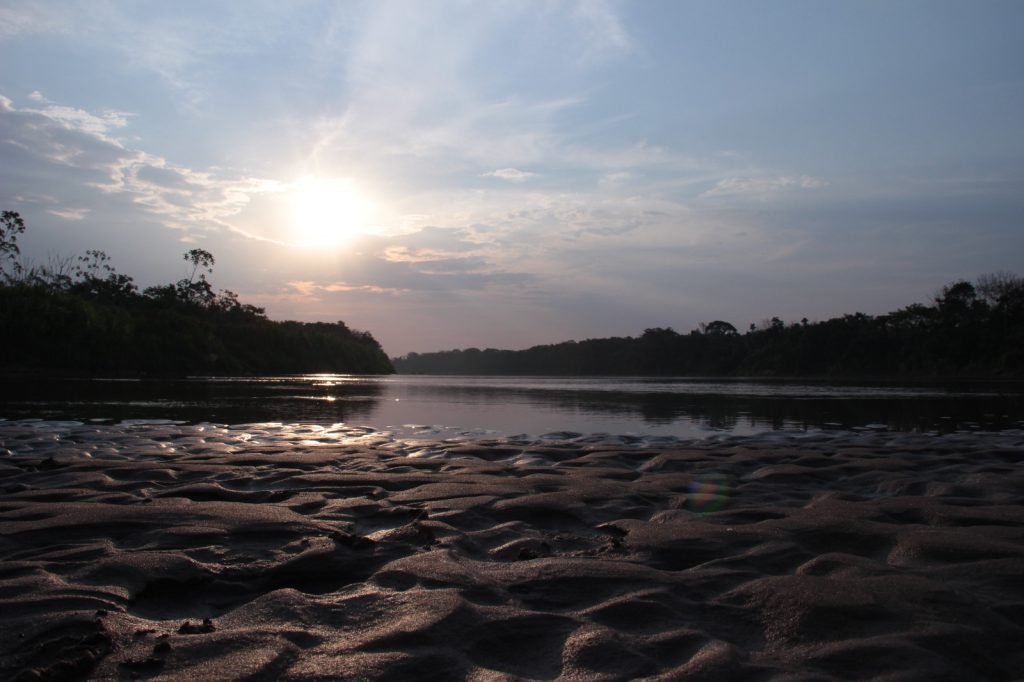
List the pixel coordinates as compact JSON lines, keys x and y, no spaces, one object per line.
{"x":327,"y":212}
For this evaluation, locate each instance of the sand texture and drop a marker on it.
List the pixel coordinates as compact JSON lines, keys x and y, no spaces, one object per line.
{"x":262,"y":553}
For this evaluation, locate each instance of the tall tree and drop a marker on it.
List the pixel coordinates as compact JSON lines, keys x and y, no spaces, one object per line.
{"x":11,"y":225}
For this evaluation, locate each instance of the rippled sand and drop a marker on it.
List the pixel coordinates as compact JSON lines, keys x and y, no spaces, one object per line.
{"x":296,"y":553}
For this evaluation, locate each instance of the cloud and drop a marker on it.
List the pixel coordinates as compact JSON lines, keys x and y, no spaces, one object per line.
{"x":81,"y":120}
{"x":760,"y":187}
{"x":422,"y":93}
{"x":510,"y":174}
{"x":73,"y":151}
{"x":432,"y":277}
{"x":309,"y":290}
{"x":71,"y":118}
{"x":32,"y":17}
{"x":432,"y":262}
{"x":461,"y":240}
{"x":424,"y":115}
{"x":615,"y":179}
{"x":73,"y":214}
{"x":603,"y":29}
{"x":183,"y":47}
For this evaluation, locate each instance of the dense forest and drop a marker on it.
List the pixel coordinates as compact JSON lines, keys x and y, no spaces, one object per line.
{"x":79,"y":315}
{"x":968,"y":330}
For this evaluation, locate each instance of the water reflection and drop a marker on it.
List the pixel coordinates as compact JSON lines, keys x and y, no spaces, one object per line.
{"x":668,"y":406}
{"x":229,"y":401}
{"x":531,"y":405}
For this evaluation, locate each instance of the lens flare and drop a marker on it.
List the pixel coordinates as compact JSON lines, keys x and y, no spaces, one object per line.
{"x":708,"y":493}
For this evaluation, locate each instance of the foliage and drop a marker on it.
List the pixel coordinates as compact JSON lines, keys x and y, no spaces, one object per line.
{"x":11,"y":225}
{"x":193,"y":289}
{"x":968,"y":330}
{"x":84,"y":316}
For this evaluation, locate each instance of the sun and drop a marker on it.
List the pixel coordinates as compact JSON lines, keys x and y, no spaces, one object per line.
{"x":327,"y":212}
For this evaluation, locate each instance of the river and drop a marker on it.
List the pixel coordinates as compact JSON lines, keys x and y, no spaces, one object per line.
{"x":475,"y":406}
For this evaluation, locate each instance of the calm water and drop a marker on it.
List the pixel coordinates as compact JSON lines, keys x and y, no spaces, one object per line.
{"x":441,"y":406}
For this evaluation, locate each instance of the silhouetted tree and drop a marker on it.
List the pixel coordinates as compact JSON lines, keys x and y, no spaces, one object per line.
{"x":196,"y":289}
{"x":11,"y":225}
{"x":998,"y":287}
{"x":96,"y":278}
{"x":958,"y":303}
{"x":719,"y":328}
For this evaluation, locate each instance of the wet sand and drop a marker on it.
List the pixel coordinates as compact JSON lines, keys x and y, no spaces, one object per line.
{"x":273,"y":552}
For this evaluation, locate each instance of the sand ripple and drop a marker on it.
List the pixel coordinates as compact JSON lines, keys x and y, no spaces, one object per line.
{"x":275,"y":551}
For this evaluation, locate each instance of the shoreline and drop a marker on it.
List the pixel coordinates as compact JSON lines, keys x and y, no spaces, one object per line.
{"x":45,"y":373}
{"x":72,"y":437}
{"x":182,"y":551}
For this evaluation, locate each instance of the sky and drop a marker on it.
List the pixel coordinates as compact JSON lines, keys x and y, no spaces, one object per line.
{"x":501,"y":174}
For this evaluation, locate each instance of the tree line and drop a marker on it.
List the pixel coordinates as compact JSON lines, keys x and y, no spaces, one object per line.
{"x":969,"y":329}
{"x":80,"y":315}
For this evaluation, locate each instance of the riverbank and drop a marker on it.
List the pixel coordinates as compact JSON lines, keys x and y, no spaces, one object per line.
{"x":198,"y":551}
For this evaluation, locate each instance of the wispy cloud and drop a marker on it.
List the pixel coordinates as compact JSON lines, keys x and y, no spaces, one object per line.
{"x":75,"y":147}
{"x":32,"y":17}
{"x":423,"y":115}
{"x":177,"y":46}
{"x":79,"y":119}
{"x":760,"y":187}
{"x":421,"y":90}
{"x":603,"y":29}
{"x":510,"y":174}
{"x":73,"y":214}
{"x":307,"y":290}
